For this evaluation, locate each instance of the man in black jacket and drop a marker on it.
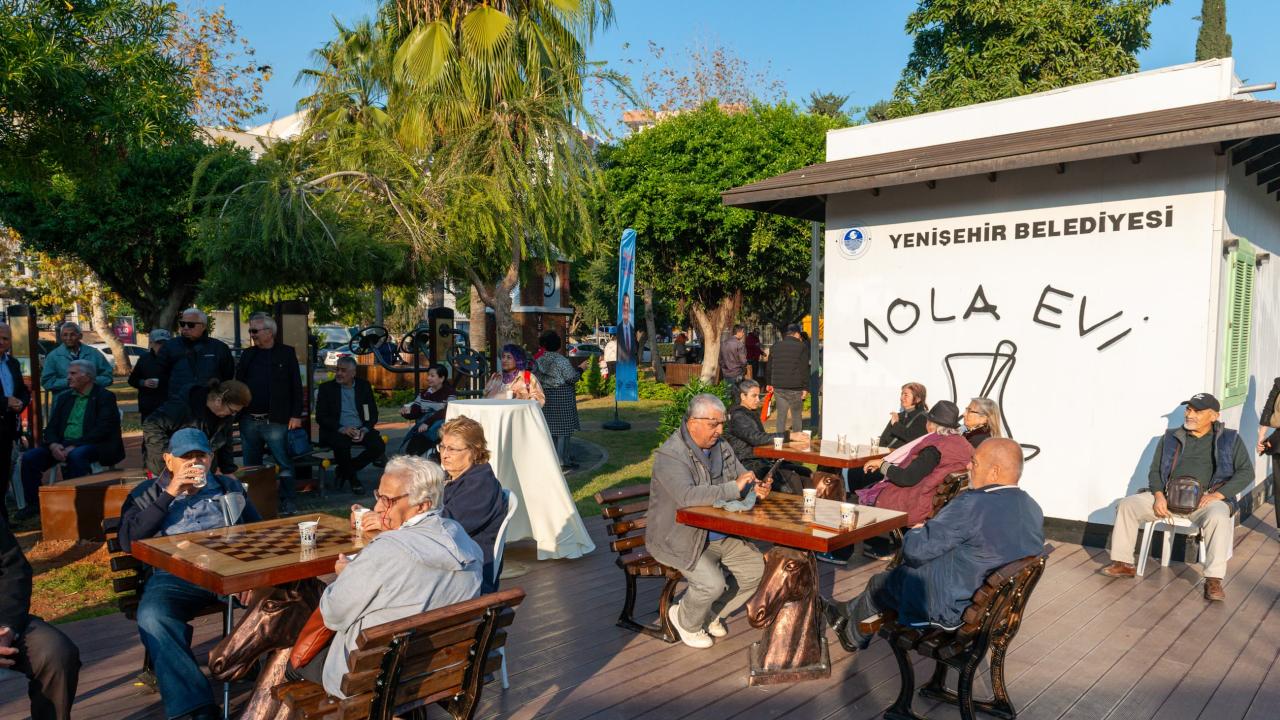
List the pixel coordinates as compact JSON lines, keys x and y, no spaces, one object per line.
{"x":193,"y":358}
{"x":270,"y":369}
{"x":16,"y":399}
{"x":789,"y":375}
{"x":83,"y":429}
{"x":347,"y":415}
{"x":148,"y":377}
{"x":28,"y":644}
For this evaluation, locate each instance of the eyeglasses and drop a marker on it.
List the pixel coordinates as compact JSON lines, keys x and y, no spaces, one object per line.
{"x":388,"y":501}
{"x":975,"y":412}
{"x":445,"y":448}
{"x":253,"y":331}
{"x":185,"y":324}
{"x":715,"y":422}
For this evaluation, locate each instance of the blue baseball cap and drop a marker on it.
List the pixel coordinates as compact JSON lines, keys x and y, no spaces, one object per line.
{"x":188,"y":440}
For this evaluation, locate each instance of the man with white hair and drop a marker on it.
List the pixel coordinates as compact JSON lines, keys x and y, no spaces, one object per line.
{"x":53,"y":371}
{"x":194,"y":358}
{"x":420,"y":561}
{"x":693,"y":467}
{"x":270,"y":369}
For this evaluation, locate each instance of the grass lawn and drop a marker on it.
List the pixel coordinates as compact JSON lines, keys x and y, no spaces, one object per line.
{"x":630,"y":452}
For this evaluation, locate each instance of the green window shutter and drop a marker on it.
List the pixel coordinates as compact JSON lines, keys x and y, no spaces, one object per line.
{"x":1239,"y":323}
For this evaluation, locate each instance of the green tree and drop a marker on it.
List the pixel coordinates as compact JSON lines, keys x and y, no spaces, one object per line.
{"x":1213,"y":40}
{"x":829,"y":104}
{"x":968,"y":52}
{"x":666,"y":183}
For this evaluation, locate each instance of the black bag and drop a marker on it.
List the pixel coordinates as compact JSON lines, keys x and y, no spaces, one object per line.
{"x":1183,"y":495}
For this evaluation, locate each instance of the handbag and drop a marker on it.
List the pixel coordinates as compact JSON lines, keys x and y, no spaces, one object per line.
{"x":298,"y":443}
{"x":1183,"y":495}
{"x":313,"y":638}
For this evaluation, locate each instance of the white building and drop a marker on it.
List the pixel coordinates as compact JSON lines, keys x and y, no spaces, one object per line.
{"x":1089,"y":257}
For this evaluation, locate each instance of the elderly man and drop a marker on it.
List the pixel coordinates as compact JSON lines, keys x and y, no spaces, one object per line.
{"x":83,"y":429}
{"x":194,"y":358}
{"x":693,"y":467}
{"x":53,"y":373}
{"x":270,"y":369}
{"x":16,"y":398}
{"x":789,"y":375}
{"x":1216,"y":457}
{"x":186,"y":497}
{"x":147,"y":376}
{"x":28,"y":644}
{"x":733,"y":355}
{"x":947,"y":558}
{"x":420,"y":561}
{"x":348,"y":416}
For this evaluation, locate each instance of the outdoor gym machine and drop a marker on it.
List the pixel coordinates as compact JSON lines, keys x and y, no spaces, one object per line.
{"x":433,"y":337}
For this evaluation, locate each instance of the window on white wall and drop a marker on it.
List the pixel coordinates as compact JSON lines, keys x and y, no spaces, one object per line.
{"x":1239,"y":322}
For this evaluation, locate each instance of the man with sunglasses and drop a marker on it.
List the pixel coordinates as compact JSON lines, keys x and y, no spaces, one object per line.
{"x":694,"y":467}
{"x":193,"y":358}
{"x":270,"y":369}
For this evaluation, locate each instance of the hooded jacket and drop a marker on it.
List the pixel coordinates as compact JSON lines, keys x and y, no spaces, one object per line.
{"x":427,"y":563}
{"x":683,"y":477}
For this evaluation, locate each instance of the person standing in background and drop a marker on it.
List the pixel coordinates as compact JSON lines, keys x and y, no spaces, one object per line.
{"x":16,"y":399}
{"x":1269,"y":444}
{"x":270,"y":369}
{"x":53,"y":372}
{"x":789,"y":376}
{"x":147,"y":376}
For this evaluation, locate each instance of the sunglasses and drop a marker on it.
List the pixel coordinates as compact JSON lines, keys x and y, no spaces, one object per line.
{"x":253,"y":331}
{"x":185,"y":324}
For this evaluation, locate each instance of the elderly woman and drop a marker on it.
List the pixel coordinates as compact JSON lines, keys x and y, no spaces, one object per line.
{"x":212,"y":408}
{"x":745,"y":432}
{"x":559,"y":382}
{"x":472,"y":496}
{"x":515,"y":380}
{"x":428,"y":411}
{"x":981,"y":421}
{"x":907,"y":423}
{"x":420,"y":560}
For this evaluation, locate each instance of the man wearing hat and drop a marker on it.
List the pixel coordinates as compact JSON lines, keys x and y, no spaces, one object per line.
{"x":148,"y":375}
{"x":187,"y":497}
{"x":1215,"y":456}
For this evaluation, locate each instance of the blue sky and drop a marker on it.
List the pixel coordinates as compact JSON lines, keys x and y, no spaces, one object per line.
{"x":854,"y":47}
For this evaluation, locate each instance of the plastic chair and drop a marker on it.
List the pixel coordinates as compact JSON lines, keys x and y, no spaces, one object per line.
{"x":513,"y":504}
{"x":1175,"y":524}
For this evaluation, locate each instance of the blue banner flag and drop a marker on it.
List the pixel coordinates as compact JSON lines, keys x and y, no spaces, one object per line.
{"x":625,"y":386}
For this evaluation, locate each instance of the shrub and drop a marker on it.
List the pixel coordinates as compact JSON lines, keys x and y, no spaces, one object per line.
{"x":591,"y":383}
{"x":400,"y":397}
{"x":651,"y":390}
{"x":673,"y":414}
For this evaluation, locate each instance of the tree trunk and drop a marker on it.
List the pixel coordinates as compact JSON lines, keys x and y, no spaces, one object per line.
{"x":507,"y":332}
{"x":712,"y":323}
{"x":98,"y":310}
{"x":477,"y":333}
{"x":379,"y":314}
{"x":651,"y":326}
{"x":163,"y":318}
{"x":435,"y":294}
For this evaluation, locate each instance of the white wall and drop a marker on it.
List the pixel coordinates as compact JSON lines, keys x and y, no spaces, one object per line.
{"x":1095,"y":414}
{"x":1128,"y":94}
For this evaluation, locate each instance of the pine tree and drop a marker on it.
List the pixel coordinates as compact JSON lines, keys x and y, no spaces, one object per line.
{"x":1213,"y":40}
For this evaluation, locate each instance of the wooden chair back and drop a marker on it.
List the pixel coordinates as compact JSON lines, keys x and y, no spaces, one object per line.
{"x":131,"y":571}
{"x":1000,"y":602}
{"x":624,"y":509}
{"x":948,"y":489}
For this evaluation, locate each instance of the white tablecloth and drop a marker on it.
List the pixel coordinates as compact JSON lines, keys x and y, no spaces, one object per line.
{"x":525,"y":462}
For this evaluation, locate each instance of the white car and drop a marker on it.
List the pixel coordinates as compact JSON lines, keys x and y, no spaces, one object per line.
{"x":133,"y":351}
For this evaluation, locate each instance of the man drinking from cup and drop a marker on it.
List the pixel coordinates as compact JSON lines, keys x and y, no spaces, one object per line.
{"x":186,"y":497}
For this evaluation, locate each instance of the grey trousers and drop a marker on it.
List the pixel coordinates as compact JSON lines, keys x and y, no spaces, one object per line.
{"x":1214,"y":519}
{"x":790,"y":410}
{"x":709,"y":595}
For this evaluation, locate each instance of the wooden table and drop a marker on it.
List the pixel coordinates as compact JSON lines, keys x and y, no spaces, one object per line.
{"x":823,"y":454}
{"x":246,"y":557}
{"x":786,"y":603}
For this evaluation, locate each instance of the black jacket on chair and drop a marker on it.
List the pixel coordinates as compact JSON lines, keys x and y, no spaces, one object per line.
{"x":101,"y":424}
{"x":329,"y":406}
{"x":286,"y":382}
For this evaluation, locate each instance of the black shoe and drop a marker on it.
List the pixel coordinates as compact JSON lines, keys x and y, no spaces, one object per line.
{"x":879,"y":548}
{"x":28,"y":512}
{"x":288,"y":508}
{"x":837,"y":619}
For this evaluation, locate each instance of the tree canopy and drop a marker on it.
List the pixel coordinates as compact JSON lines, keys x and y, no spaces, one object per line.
{"x":1213,"y":40}
{"x":968,"y":52}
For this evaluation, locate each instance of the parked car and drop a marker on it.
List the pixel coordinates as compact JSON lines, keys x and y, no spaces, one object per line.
{"x":328,"y":348}
{"x":579,"y":353}
{"x":332,"y":354}
{"x":133,"y":351}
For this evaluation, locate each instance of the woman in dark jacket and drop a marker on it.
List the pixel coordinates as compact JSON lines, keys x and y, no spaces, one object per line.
{"x":745,"y":432}
{"x":473,"y":497}
{"x":981,"y":421}
{"x":211,"y":408}
{"x":907,"y":423}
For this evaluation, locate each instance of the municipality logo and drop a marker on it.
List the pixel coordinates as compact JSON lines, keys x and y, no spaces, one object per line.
{"x":854,"y":243}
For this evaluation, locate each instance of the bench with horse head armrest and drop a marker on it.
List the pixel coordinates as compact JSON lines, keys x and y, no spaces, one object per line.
{"x":625,"y":509}
{"x":989,"y":623}
{"x":439,"y":656}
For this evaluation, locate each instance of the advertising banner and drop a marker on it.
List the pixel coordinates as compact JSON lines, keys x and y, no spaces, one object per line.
{"x":124,"y":330}
{"x":625,"y":387}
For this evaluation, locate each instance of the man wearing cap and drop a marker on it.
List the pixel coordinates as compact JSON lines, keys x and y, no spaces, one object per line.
{"x":789,"y":375}
{"x":187,"y":497}
{"x":1219,"y":461}
{"x":148,"y":375}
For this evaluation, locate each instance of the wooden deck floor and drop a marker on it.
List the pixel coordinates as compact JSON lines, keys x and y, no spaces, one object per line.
{"x":1090,"y":648}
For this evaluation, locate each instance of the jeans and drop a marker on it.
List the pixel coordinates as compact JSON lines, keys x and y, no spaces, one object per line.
{"x":873,"y":600}
{"x":51,"y":663}
{"x":253,"y":434}
{"x":167,"y":606}
{"x":36,"y":461}
{"x":709,"y":594}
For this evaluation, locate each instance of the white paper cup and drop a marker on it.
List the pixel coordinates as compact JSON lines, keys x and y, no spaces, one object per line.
{"x":511,"y":395}
{"x":810,"y":498}
{"x":777,"y":443}
{"x":307,"y":532}
{"x":808,"y":436}
{"x":200,"y":481}
{"x":359,"y":514}
{"x":848,"y":515}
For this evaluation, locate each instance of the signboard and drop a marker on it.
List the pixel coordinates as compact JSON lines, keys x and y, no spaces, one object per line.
{"x":625,"y":384}
{"x":124,"y":329}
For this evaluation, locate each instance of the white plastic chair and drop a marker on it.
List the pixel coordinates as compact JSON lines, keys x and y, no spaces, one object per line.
{"x":513,"y":504}
{"x":1171,"y":526}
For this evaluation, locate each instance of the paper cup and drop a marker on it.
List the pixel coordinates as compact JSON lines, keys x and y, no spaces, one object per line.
{"x":511,"y":395}
{"x":200,"y":481}
{"x":307,"y":532}
{"x":808,"y":436}
{"x":848,"y":515}
{"x":777,"y":443}
{"x":359,"y":514}
{"x":810,"y":498}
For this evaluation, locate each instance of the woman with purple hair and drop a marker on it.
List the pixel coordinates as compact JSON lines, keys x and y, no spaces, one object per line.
{"x":514,"y":380}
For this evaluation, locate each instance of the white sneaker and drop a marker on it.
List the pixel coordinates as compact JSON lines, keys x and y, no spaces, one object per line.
{"x":699,"y":639}
{"x":716,"y":628}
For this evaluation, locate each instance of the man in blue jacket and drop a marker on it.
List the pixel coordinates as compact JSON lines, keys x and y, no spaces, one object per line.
{"x":946,"y":559}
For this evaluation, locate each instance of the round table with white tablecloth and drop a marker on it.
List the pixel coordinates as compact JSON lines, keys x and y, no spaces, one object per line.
{"x":524,"y":459}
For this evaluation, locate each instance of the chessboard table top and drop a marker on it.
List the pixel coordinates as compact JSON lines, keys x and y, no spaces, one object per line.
{"x":246,"y":557}
{"x":780,"y":519}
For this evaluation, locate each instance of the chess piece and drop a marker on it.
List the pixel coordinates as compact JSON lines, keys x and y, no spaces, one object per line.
{"x":786,"y":603}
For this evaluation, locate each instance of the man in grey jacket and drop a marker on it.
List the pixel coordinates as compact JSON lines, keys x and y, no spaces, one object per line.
{"x":693,"y":467}
{"x":423,"y":561}
{"x":733,"y":355}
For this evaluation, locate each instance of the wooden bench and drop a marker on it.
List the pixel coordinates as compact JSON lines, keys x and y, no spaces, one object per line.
{"x":440,"y":656}
{"x":74,"y":509}
{"x":989,"y":623}
{"x":625,"y":510}
{"x":951,"y":486}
